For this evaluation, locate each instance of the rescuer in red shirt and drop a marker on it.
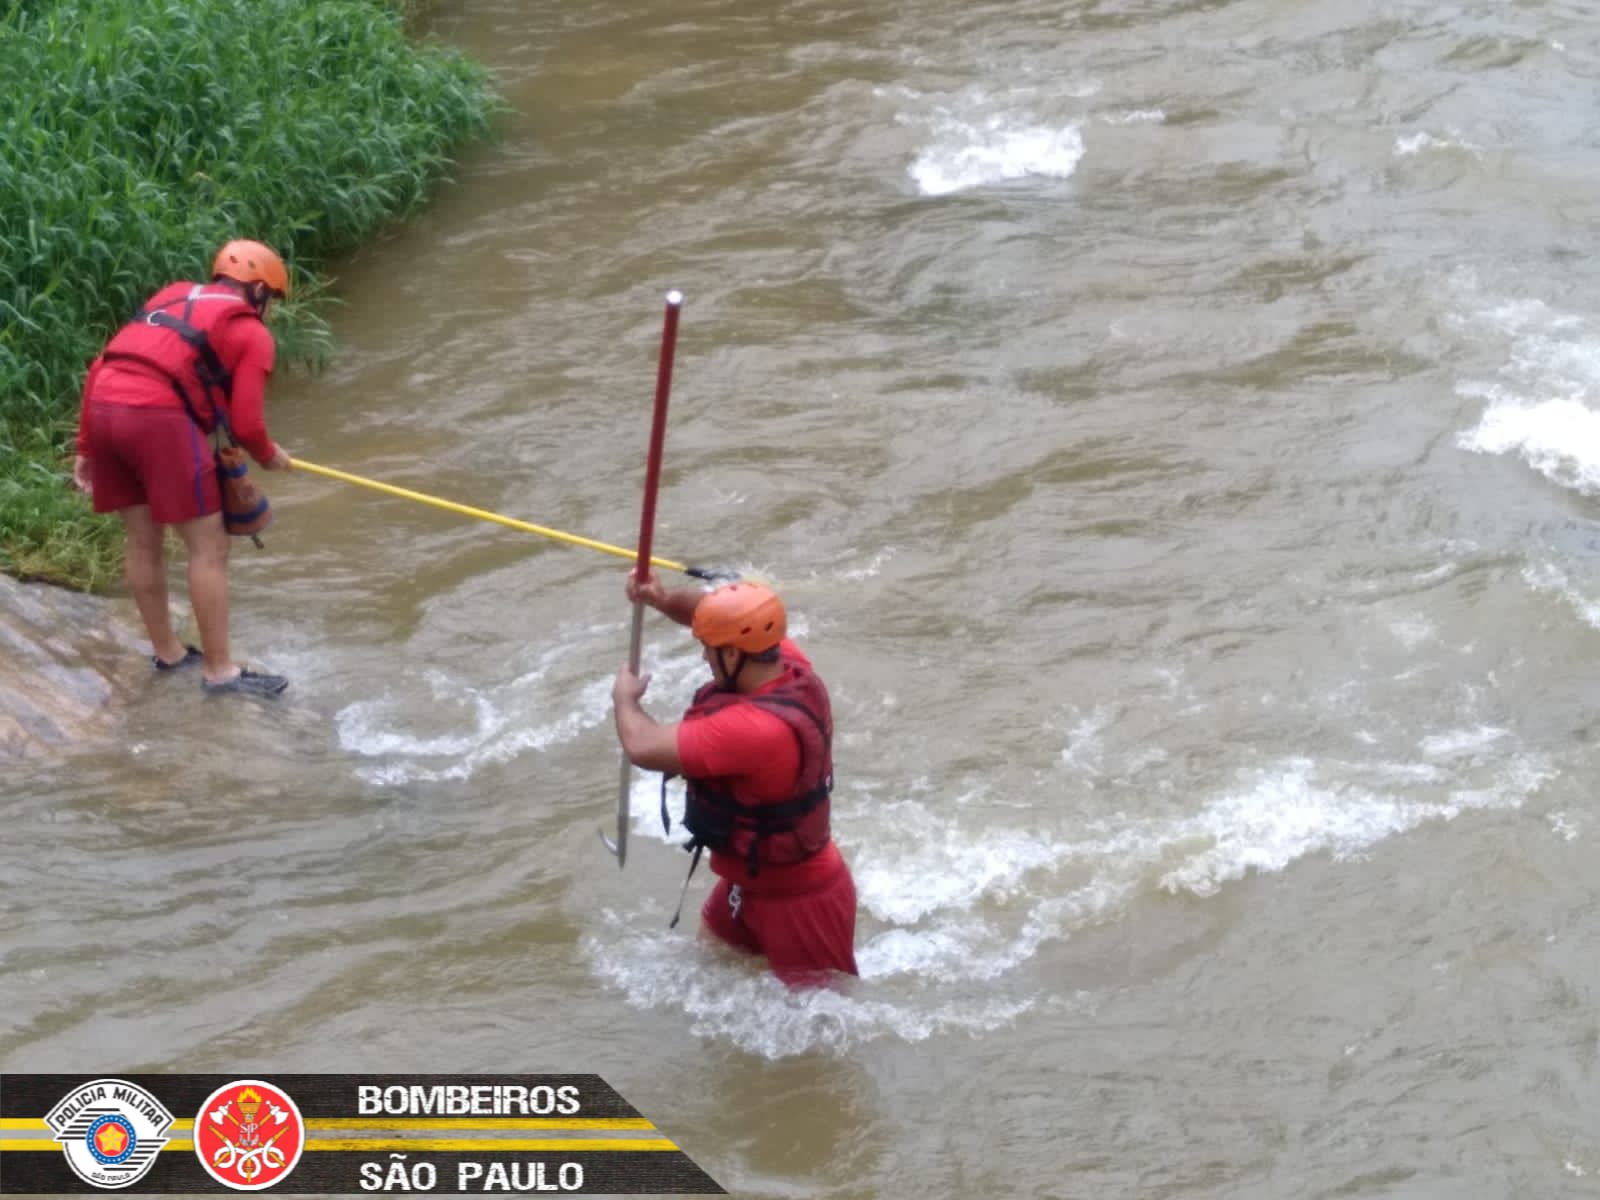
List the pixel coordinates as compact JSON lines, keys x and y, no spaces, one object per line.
{"x":755,"y":748}
{"x":195,"y":354}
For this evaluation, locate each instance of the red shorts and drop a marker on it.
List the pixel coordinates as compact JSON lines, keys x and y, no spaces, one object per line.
{"x":805,"y":935}
{"x":151,"y":455}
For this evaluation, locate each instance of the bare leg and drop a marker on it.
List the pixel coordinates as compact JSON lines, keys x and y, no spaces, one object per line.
{"x":207,"y":543}
{"x":145,"y":564}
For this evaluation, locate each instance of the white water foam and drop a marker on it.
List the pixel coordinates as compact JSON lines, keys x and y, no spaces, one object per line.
{"x":976,"y":139}
{"x":994,"y":149}
{"x":1460,"y":742}
{"x":963,"y":903}
{"x":1549,"y":578}
{"x":736,"y":1000}
{"x":504,"y":728}
{"x":1559,"y":438}
{"x":870,"y":569}
{"x":1545,"y":405}
{"x":1085,"y":748}
{"x":367,"y":727}
{"x":1563,"y":826}
{"x":470,"y":727}
{"x":1135,"y":116}
{"x":1413,"y":630}
{"x":940,"y":864}
{"x":1415,"y":143}
{"x":1291,"y":812}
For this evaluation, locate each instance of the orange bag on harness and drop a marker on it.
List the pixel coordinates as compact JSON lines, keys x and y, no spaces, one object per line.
{"x":245,"y":511}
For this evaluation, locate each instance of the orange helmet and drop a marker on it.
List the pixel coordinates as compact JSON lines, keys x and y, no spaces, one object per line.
{"x":251,"y":262}
{"x":746,"y":616}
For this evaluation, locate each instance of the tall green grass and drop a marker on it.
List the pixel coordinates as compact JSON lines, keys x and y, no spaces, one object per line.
{"x":138,"y":135}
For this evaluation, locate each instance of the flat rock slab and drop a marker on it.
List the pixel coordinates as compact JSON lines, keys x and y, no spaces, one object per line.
{"x":68,"y":662}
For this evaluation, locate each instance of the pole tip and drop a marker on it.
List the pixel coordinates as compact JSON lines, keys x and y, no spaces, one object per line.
{"x":674,"y":297}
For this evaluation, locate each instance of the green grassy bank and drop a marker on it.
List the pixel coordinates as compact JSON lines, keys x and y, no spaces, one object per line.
{"x":136,"y":136}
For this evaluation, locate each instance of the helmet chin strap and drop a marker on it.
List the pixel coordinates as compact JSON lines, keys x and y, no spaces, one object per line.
{"x":256,"y":292}
{"x":731,"y":682}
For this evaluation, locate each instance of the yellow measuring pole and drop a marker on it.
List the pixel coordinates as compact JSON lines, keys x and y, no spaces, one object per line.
{"x":571,"y":539}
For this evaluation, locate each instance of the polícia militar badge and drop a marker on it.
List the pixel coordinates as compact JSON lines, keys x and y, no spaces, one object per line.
{"x":111,"y":1131}
{"x":249,"y":1135}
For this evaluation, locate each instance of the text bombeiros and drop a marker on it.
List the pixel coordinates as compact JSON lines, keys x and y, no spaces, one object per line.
{"x":468,"y":1100}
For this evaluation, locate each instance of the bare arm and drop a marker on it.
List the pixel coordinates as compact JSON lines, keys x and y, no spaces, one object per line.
{"x":676,"y":603}
{"x":645,"y":741}
{"x":80,"y":461}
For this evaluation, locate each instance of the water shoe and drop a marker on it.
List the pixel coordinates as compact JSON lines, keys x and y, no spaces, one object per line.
{"x":247,"y":682}
{"x":191,"y":654}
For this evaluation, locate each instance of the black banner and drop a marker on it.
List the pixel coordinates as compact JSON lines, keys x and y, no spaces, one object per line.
{"x":295,"y":1134}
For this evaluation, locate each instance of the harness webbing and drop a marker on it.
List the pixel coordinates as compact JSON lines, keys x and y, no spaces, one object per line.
{"x":209,"y":369}
{"x":758,"y":819}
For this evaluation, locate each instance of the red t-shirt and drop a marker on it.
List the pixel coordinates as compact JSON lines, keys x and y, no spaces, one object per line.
{"x":246,"y":349}
{"x":758,"y":754}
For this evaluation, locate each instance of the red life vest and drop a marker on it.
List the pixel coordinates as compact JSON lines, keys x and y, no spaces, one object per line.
{"x":169,"y":337}
{"x":769,"y":832}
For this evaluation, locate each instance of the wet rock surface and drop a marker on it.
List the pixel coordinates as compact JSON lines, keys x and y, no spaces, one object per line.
{"x":68,"y":662}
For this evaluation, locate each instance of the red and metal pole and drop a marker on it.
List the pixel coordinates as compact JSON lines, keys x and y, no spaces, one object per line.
{"x":647,"y":523}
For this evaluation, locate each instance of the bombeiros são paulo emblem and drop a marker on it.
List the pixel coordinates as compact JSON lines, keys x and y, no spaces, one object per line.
{"x":111,"y":1131}
{"x":249,"y":1135}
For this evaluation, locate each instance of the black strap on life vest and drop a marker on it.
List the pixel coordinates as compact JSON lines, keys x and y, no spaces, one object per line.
{"x":214,"y":377}
{"x":666,"y":828}
{"x":684,"y":891}
{"x":778,"y":820}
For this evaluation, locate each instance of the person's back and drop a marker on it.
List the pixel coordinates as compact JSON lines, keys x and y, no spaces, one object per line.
{"x":195,"y":357}
{"x":146,"y":366}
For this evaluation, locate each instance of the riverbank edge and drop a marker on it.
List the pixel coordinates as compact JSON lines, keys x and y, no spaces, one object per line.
{"x":48,"y":531}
